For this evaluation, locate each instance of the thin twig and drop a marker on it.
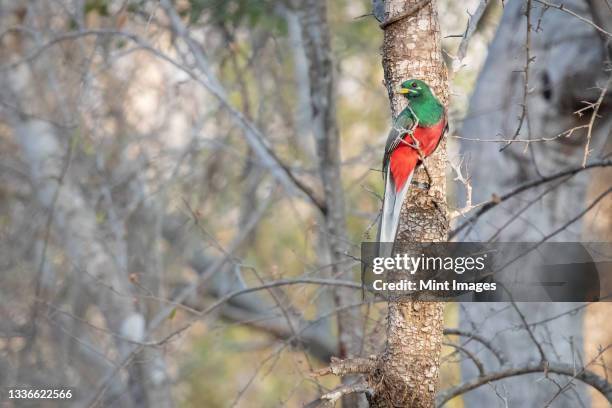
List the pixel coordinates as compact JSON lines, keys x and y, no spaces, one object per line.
{"x":496,"y":200}
{"x":593,"y":117}
{"x":570,"y":381}
{"x":524,"y":110}
{"x":329,"y":399}
{"x":529,"y":331}
{"x":281,"y":282}
{"x":469,"y":354}
{"x":252,"y":134}
{"x":586,"y":376}
{"x":573,"y":13}
{"x":486,"y":343}
{"x":471,"y":28}
{"x":567,"y":134}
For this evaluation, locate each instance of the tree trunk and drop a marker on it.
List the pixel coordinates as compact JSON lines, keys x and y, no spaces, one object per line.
{"x":317,"y":48}
{"x":407,"y":372}
{"x":567,"y":66}
{"x":315,"y":33}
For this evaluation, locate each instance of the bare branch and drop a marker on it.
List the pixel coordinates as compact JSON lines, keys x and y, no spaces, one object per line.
{"x":586,"y":376}
{"x":253,"y":135}
{"x":471,"y":29}
{"x":565,"y":134}
{"x":465,"y":180}
{"x":593,"y":117}
{"x":573,"y":13}
{"x":530,"y":332}
{"x":469,"y":355}
{"x":328,"y":399}
{"x":349,"y":366}
{"x":524,"y":110}
{"x":470,"y":335}
{"x":496,"y":200}
{"x":280,"y":282}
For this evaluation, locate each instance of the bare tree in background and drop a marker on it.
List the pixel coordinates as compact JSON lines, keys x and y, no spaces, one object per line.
{"x":545,"y":70}
{"x":111,"y":228}
{"x":172,"y":172}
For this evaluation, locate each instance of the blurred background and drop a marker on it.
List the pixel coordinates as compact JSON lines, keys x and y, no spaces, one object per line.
{"x":156,"y":156}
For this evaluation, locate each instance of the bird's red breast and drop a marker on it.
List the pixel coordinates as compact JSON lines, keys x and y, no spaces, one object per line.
{"x":404,"y":158}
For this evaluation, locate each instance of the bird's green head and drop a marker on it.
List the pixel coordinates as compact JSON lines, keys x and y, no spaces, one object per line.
{"x":415,"y":88}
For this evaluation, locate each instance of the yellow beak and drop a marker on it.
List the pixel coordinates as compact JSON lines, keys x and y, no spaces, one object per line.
{"x":403,"y":90}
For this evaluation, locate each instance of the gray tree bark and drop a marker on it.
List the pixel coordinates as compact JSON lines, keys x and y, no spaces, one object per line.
{"x":566,"y":68}
{"x":321,"y":74}
{"x":315,"y":34}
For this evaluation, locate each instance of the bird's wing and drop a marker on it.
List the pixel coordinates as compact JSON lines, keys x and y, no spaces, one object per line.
{"x":392,"y":202}
{"x":444,"y":131}
{"x":403,"y":123}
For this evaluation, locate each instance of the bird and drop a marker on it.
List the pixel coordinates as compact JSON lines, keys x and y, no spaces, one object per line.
{"x":416,"y":133}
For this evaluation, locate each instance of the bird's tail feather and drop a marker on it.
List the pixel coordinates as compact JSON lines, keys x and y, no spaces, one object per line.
{"x":392,"y":206}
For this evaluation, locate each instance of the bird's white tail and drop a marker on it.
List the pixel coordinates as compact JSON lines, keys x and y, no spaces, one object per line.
{"x":392,"y":206}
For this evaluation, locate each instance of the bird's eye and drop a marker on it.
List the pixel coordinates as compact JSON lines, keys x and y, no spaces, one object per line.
{"x":414,"y":84}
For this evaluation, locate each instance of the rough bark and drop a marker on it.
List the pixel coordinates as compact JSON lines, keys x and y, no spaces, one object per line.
{"x":407,"y":372}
